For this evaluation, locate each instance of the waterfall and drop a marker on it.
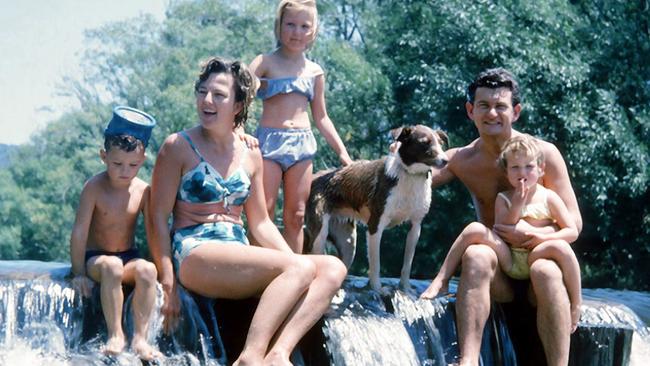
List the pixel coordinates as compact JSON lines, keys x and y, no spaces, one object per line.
{"x":43,"y":321}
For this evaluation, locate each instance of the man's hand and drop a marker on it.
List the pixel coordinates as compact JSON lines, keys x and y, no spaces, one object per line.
{"x":515,"y":235}
{"x":83,"y":284}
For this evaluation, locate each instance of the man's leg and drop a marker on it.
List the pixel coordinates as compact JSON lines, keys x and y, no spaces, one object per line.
{"x":553,"y":311}
{"x":479,"y":277}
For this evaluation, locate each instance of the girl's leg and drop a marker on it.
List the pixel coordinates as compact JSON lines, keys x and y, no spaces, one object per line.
{"x":142,"y":274}
{"x":474,"y":233}
{"x":297,"y":184}
{"x":561,"y":253}
{"x":330,"y":273}
{"x":235,"y":271}
{"x":272,"y":180}
{"x":108,"y":271}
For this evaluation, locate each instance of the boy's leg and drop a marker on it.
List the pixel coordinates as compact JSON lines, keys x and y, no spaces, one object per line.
{"x":561,"y":253}
{"x":474,"y":233}
{"x":297,"y":184}
{"x":108,"y":271}
{"x":142,"y":274}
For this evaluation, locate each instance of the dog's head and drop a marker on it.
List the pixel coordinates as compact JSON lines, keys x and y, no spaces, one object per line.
{"x":420,"y":147}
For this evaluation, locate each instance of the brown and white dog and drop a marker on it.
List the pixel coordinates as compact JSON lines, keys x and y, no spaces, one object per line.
{"x":381,"y":193}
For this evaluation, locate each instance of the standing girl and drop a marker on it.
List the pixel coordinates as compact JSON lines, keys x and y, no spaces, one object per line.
{"x":289,"y":83}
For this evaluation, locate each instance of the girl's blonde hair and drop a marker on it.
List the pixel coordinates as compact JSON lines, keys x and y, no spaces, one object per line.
{"x":308,"y":5}
{"x":523,"y":144}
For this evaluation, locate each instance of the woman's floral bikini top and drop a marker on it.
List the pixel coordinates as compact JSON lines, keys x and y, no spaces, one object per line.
{"x":302,"y":85}
{"x":204,"y":184}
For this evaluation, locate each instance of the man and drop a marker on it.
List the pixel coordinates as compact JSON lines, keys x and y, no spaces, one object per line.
{"x":494,"y":105}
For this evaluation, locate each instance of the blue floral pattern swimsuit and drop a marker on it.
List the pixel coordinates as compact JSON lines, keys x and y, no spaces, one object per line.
{"x":204,"y":185}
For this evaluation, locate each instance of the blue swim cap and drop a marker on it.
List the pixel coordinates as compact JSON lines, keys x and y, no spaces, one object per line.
{"x":130,"y":121}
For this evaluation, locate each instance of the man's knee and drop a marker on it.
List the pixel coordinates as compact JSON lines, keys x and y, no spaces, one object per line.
{"x":479,"y":261}
{"x":545,"y":275}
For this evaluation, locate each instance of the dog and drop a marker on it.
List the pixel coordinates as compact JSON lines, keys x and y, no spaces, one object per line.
{"x":380,"y":193}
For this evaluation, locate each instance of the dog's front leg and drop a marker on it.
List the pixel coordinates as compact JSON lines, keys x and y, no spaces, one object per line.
{"x":409,"y":253}
{"x":374,"y":240}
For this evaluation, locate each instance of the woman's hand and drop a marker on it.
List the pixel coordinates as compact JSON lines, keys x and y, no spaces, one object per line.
{"x":170,"y":308}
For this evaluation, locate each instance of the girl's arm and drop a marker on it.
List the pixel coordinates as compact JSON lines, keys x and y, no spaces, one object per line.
{"x":259,"y":223}
{"x":505,"y":214}
{"x":164,"y":184}
{"x":564,"y":220}
{"x":324,"y":123}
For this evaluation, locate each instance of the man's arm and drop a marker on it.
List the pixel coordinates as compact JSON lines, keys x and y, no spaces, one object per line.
{"x":556,"y":178}
{"x":444,"y":175}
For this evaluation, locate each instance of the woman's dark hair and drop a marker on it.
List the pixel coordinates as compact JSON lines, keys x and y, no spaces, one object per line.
{"x":244,"y":85}
{"x":493,"y":79}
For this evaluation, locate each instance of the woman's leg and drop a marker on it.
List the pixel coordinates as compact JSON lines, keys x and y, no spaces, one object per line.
{"x":235,"y":271}
{"x":297,"y":184}
{"x":561,"y":253}
{"x":474,"y":233}
{"x":330,"y":273}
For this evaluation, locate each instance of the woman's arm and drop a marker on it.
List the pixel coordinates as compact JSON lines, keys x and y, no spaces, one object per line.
{"x":164,"y":184}
{"x":324,"y":123}
{"x":259,"y":223}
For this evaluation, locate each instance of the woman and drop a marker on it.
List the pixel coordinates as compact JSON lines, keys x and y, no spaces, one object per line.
{"x":208,"y":245}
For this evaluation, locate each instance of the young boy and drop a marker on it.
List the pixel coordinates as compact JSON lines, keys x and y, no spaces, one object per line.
{"x":102,"y":243}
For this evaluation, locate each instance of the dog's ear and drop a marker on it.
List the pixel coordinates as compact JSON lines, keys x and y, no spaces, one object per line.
{"x":443,"y":137}
{"x":400,"y":134}
{"x":395,"y":132}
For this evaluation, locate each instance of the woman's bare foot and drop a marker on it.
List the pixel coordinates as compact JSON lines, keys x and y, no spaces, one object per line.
{"x":244,"y":360}
{"x":114,"y":346}
{"x":575,"y":316}
{"x":275,"y":358}
{"x":144,"y":350}
{"x":438,"y":286}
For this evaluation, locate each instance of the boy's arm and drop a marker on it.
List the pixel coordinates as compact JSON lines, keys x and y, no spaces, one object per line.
{"x":79,"y":239}
{"x":325,"y":124}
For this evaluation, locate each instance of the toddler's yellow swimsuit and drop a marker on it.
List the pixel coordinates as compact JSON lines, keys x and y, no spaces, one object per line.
{"x":539,"y":211}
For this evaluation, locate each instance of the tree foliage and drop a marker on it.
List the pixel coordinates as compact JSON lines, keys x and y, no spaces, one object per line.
{"x":582,"y":66}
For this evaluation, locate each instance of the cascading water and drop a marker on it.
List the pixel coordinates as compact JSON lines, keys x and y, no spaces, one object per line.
{"x":44,"y":322}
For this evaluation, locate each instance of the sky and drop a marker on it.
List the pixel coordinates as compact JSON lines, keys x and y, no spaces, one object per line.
{"x":41,"y":41}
